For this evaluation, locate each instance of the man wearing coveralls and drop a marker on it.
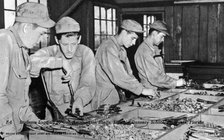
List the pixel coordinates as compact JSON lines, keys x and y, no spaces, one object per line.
{"x":149,"y":62}
{"x":31,"y":22}
{"x":76,"y":59}
{"x":113,"y":68}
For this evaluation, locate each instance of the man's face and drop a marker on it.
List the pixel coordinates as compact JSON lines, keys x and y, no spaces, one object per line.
{"x":129,"y":39}
{"x":34,"y":36}
{"x":158,"y":37}
{"x":68,"y":45}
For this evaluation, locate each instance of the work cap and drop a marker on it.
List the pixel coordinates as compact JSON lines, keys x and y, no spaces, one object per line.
{"x":31,"y":12}
{"x":131,"y":25}
{"x":67,"y":24}
{"x":160,"y":26}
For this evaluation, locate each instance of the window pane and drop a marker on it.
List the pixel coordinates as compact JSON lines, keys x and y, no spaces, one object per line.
{"x":9,"y":18}
{"x":33,"y":0}
{"x":114,"y":27}
{"x":103,"y":27}
{"x":103,"y":13}
{"x":145,"y":19}
{"x":96,"y":12}
{"x":145,"y":27}
{"x":152,"y":19}
{"x":44,"y":2}
{"x":9,"y":4}
{"x":109,"y":14}
{"x":97,"y":27}
{"x":149,"y":19}
{"x":114,"y":14}
{"x":109,"y":27}
{"x":20,"y":2}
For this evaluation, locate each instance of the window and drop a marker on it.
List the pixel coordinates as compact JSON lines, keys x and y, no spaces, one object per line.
{"x":10,"y":13}
{"x":104,"y":24}
{"x":147,"y":20}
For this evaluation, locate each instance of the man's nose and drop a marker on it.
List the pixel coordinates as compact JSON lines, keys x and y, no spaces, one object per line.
{"x":70,"y":47}
{"x":133,"y":42}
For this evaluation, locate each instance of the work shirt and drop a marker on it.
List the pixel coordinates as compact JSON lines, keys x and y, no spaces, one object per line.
{"x":83,"y":76}
{"x":15,"y":81}
{"x":113,"y":69}
{"x":149,"y":64}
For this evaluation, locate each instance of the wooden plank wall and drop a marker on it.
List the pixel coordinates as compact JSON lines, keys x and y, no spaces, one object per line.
{"x":198,"y":31}
{"x":1,"y":14}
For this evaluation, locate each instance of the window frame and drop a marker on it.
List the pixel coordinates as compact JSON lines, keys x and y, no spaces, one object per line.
{"x":116,"y":20}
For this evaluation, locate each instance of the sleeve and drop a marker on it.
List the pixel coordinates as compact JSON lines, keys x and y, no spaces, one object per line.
{"x":154,"y":74}
{"x":6,"y":121}
{"x":44,"y":58}
{"x":87,"y":82}
{"x":114,"y":68}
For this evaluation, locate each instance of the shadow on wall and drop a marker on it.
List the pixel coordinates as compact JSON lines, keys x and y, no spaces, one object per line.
{"x":37,"y":97}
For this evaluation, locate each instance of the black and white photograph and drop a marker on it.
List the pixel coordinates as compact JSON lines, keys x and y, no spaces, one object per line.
{"x":111,"y":69}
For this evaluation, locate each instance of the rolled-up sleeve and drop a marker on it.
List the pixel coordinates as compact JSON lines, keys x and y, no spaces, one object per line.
{"x":44,"y":58}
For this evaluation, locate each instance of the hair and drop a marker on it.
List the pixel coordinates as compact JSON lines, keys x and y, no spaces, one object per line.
{"x":151,"y":30}
{"x":68,"y":34}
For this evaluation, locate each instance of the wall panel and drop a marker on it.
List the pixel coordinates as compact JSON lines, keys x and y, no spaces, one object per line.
{"x":212,"y":33}
{"x":190,"y":24}
{"x":169,"y":44}
{"x":220,"y":46}
{"x":203,"y":34}
{"x":177,"y":34}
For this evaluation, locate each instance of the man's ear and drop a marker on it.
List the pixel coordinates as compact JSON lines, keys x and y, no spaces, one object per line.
{"x":154,"y":32}
{"x":56,"y":39}
{"x":80,"y":37}
{"x":27,"y":27}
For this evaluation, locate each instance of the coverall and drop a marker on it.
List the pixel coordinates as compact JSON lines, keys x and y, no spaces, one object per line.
{"x":83,"y":76}
{"x":113,"y":69}
{"x":149,"y":64}
{"x":15,"y":81}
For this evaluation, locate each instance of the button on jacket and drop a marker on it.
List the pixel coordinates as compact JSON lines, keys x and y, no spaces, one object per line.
{"x":83,"y":77}
{"x":15,"y":81}
{"x":150,"y":67}
{"x":113,"y":69}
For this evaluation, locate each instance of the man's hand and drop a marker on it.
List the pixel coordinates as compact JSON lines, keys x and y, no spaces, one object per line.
{"x":181,"y":82}
{"x":78,"y":105}
{"x":150,"y":92}
{"x":67,"y":68}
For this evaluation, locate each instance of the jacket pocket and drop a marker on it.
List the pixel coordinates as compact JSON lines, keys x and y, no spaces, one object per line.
{"x":16,"y":82}
{"x":21,"y":74}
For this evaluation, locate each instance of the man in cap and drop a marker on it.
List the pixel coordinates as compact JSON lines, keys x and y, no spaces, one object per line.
{"x":113,"y":69}
{"x":67,"y":54}
{"x":149,"y":62}
{"x":31,"y":23}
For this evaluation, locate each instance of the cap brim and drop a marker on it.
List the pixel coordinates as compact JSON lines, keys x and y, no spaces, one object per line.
{"x":137,"y":31}
{"x":50,"y":23}
{"x":166,"y":33}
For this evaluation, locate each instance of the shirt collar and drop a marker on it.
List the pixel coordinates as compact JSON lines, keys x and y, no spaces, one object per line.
{"x":17,"y":37}
{"x":154,"y":48}
{"x":119,"y":47}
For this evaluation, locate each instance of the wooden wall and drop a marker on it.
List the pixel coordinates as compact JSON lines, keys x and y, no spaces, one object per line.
{"x":197,"y":32}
